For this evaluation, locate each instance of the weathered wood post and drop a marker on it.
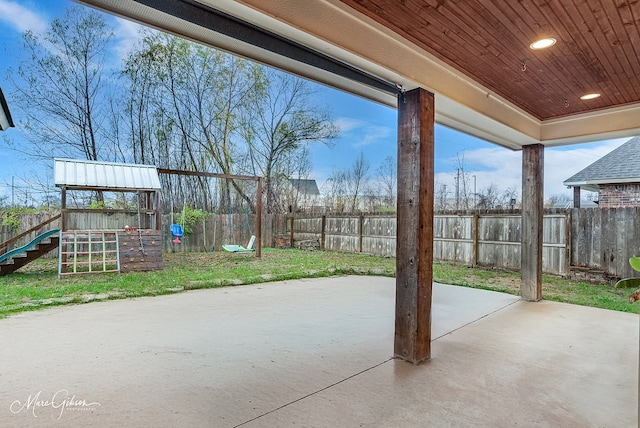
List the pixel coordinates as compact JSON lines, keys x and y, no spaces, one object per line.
{"x":567,"y":244}
{"x":532,"y":216}
{"x":323,"y":227}
{"x":63,"y":227}
{"x":360,"y":236}
{"x":414,"y":254}
{"x":576,"y":197}
{"x":476,"y":218}
{"x":291,"y":220}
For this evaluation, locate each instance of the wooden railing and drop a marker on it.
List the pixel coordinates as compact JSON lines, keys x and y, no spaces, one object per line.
{"x":5,"y":245}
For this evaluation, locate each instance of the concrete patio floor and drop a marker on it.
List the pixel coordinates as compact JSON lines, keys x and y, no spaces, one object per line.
{"x":317,"y":353}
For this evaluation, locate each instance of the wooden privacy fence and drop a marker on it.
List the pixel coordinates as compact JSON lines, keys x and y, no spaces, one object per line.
{"x":595,"y":239}
{"x":473,"y":239}
{"x":375,"y":235}
{"x":605,"y":239}
{"x":205,"y":235}
{"x":489,"y":239}
{"x":494,"y":240}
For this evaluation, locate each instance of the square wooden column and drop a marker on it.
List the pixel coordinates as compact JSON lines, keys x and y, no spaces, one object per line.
{"x":414,"y":245}
{"x":576,"y":197}
{"x":532,"y":213}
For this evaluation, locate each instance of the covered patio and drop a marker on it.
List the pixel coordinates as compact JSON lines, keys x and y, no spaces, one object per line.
{"x":474,"y":66}
{"x":318,"y":353}
{"x":469,"y":66}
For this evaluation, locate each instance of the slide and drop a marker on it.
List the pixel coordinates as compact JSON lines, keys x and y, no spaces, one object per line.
{"x":30,"y":245}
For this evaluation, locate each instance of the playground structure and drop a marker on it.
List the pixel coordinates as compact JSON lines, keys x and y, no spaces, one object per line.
{"x":115,"y":247}
{"x":91,"y":240}
{"x":177,"y":229}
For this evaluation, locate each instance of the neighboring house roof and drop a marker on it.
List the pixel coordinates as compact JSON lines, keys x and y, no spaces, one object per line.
{"x":83,"y":174}
{"x":569,"y":204}
{"x":305,"y":187}
{"x":620,"y":166}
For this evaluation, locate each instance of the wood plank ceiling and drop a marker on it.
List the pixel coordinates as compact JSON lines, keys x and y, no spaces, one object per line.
{"x":597,"y":49}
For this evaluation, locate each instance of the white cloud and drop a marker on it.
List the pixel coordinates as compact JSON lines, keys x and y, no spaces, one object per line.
{"x":372,"y":134}
{"x":347,"y":124}
{"x":503,"y":167}
{"x":362,"y":132}
{"x":21,"y":18}
{"x":127,"y":34}
{"x":562,"y":163}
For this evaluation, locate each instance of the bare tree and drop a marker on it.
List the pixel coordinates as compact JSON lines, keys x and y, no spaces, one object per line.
{"x":282,"y":122}
{"x":441,"y":197}
{"x":60,"y":89}
{"x":510,"y":197}
{"x":336,"y":192}
{"x":347,"y":186}
{"x":387,"y":176}
{"x":192,"y":107}
{"x":558,"y":199}
{"x":491,"y":198}
{"x":185,"y":111}
{"x":357,"y":178}
{"x":463,"y":197}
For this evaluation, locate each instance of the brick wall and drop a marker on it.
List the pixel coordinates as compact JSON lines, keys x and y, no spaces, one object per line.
{"x":619,"y":195}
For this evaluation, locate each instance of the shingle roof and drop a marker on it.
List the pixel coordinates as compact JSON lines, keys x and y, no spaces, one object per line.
{"x":619,"y":166}
{"x":306,"y":187}
{"x":83,"y":174}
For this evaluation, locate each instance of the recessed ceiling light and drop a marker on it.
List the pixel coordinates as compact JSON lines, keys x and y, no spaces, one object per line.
{"x":590,"y":96}
{"x":543,"y":43}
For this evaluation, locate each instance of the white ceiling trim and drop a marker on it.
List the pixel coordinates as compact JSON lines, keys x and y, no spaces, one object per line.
{"x":618,"y":122}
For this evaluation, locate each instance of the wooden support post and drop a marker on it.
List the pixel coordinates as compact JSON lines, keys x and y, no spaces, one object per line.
{"x":476,"y":218}
{"x":63,"y":227}
{"x":63,"y":209}
{"x":567,"y":244}
{"x":323,"y":235}
{"x":157,"y":211}
{"x":360,"y":226}
{"x":532,"y":215}
{"x":414,"y":254}
{"x":258,"y":241}
{"x":576,"y":197}
{"x":291,"y":219}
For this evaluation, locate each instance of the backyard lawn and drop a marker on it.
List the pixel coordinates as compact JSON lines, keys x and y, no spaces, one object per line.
{"x":37,"y":285}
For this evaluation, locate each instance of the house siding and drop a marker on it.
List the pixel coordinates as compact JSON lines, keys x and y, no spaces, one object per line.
{"x":619,"y":195}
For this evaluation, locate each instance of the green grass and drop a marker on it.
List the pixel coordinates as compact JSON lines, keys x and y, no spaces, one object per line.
{"x":37,"y":285}
{"x":601,"y":296}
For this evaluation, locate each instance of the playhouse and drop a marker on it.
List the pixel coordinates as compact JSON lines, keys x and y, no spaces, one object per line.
{"x":108,"y":239}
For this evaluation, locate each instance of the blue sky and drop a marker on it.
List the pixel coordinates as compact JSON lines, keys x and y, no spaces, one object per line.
{"x":365,"y":126}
